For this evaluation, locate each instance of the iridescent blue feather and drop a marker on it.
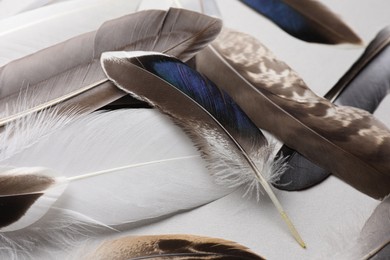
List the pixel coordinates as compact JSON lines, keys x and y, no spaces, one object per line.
{"x":307,"y":20}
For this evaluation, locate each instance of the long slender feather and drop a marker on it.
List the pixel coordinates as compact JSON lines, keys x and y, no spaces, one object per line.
{"x":307,"y":20}
{"x":171,"y":247}
{"x":346,"y":141}
{"x":230,"y":143}
{"x":77,"y":75}
{"x":130,"y":184}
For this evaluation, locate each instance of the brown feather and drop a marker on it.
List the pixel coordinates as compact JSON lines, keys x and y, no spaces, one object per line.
{"x":348,"y":142}
{"x":171,"y":247}
{"x":325,"y":21}
{"x":69,"y":66}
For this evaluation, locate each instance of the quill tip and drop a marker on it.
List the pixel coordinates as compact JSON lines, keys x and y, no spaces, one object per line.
{"x":293,"y":230}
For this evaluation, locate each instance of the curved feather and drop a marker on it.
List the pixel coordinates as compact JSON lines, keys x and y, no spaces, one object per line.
{"x":356,"y":145}
{"x":77,"y":75}
{"x":172,"y":247}
{"x":374,"y":239}
{"x":307,"y":20}
{"x":230,"y":143}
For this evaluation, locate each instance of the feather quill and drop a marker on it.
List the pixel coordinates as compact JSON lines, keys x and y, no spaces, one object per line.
{"x":173,"y":247}
{"x":232,"y":145}
{"x":77,"y":75}
{"x":348,"y":142}
{"x":131,"y":183}
{"x":307,"y":20}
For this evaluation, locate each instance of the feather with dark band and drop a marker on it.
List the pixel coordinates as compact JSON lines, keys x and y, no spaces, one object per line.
{"x":231,"y":144}
{"x":307,"y":20}
{"x":348,"y":142}
{"x":171,"y":247}
{"x":72,"y":69}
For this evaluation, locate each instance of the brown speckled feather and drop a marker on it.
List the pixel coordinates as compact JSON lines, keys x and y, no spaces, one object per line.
{"x":349,"y":142}
{"x":178,"y":247}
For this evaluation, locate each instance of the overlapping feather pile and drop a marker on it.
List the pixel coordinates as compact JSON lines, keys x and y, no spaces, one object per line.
{"x":74,"y":180}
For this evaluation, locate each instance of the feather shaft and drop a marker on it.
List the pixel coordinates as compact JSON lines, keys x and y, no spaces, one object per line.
{"x":97,"y":173}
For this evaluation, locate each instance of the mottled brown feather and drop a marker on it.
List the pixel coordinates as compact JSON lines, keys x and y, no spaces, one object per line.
{"x":346,"y":141}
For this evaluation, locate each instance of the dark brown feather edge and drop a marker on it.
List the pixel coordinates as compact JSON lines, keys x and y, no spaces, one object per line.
{"x":172,"y":247}
{"x":276,"y":90}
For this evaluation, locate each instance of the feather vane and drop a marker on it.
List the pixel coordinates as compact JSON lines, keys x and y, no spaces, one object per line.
{"x":266,"y":84}
{"x":211,"y":118}
{"x":307,"y":20}
{"x":78,"y":76}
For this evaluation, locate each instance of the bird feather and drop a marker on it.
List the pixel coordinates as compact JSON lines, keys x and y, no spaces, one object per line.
{"x":355,"y":143}
{"x":307,"y":20}
{"x":115,"y":180}
{"x":77,"y":74}
{"x":232,"y":145}
{"x":172,"y":247}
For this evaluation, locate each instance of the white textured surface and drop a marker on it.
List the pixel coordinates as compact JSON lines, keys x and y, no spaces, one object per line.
{"x":326,"y":215}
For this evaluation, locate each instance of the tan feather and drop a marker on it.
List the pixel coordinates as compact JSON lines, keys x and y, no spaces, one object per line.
{"x":178,"y":247}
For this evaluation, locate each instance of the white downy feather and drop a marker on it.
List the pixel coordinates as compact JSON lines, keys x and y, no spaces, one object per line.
{"x":28,"y":32}
{"x":124,"y":198}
